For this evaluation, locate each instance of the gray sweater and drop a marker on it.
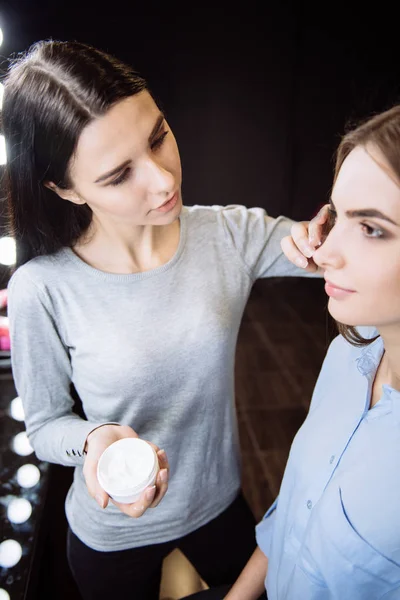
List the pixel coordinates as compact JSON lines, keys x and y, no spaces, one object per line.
{"x":153,"y":350}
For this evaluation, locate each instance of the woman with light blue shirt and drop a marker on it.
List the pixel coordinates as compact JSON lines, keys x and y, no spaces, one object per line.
{"x":334,"y":531}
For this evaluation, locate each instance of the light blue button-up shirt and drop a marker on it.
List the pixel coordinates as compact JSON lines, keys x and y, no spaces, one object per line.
{"x":334,"y":531}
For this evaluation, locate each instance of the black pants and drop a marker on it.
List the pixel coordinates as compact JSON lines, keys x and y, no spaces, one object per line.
{"x":219,"y":550}
{"x":218,"y":593}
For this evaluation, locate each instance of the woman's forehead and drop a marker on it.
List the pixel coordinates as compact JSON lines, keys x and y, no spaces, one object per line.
{"x":125,"y":128}
{"x":366,"y":174}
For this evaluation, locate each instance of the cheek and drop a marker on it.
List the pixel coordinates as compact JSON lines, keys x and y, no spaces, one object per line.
{"x":389,"y":284}
{"x":171,"y":156}
{"x":118,"y":200}
{"x":377,"y":300}
{"x":382,"y":274}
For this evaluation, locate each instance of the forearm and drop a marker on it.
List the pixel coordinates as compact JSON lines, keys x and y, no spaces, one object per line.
{"x":62,"y":440}
{"x":250,"y":583}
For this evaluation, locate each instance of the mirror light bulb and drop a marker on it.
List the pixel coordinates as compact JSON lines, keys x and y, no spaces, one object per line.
{"x":10,"y":553}
{"x":21,"y":444}
{"x":19,"y":510}
{"x":16,"y":409}
{"x":28,"y":476}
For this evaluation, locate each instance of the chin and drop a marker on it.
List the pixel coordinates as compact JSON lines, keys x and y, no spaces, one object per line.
{"x":174,"y":214}
{"x":348,"y":316}
{"x":176,"y":211}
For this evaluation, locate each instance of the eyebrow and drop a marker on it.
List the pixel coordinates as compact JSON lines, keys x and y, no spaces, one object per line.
{"x":116,"y":170}
{"x":366,"y":212}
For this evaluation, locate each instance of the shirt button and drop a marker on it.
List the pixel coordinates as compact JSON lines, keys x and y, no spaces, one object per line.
{"x":309,"y":504}
{"x":332,"y":458}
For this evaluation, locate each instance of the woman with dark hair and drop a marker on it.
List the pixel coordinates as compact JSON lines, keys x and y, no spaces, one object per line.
{"x":133,"y":301}
{"x":334,"y":531}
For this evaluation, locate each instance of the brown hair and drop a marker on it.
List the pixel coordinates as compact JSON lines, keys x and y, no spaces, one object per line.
{"x":383,"y":132}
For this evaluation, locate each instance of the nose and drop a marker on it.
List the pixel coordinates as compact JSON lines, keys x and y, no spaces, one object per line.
{"x":161,"y":181}
{"x":330,"y":253}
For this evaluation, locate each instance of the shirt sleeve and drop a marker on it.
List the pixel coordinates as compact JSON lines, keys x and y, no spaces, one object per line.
{"x":256,"y":238}
{"x":42,"y":374}
{"x":265,"y":529}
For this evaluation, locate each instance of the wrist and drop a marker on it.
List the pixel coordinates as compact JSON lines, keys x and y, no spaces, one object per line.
{"x":96,"y":430}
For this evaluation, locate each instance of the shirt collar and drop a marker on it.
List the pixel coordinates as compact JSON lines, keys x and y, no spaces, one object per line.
{"x":367,"y":364}
{"x":370,"y":357}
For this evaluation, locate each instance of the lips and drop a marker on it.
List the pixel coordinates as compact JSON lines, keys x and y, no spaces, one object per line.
{"x":336,"y":292}
{"x":338,"y":287}
{"x":167,"y":201}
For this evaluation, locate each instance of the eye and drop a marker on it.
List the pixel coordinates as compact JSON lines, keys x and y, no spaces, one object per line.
{"x":372,"y":232}
{"x":121,"y":178}
{"x":159,"y":141}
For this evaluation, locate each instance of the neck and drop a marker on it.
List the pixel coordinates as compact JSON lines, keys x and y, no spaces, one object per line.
{"x":391,"y":357}
{"x":129,"y":249}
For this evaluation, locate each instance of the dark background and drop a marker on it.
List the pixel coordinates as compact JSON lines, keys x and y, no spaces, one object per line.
{"x":257,"y":99}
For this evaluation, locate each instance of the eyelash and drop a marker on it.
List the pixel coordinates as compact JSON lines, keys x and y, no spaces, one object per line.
{"x":368,"y":230}
{"x":159,"y":141}
{"x":121,"y":178}
{"x":125,"y":174}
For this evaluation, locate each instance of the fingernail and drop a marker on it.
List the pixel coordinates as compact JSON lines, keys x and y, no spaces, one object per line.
{"x":99,"y":500}
{"x":314,"y":241}
{"x":163,"y":475}
{"x":307,"y":250}
{"x":301,"y":261}
{"x":161,"y":452}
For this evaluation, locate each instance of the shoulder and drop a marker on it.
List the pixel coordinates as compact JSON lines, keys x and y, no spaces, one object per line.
{"x":245,"y":228}
{"x":343,"y":361}
{"x":232,"y":215}
{"x":36,"y":275}
{"x":339,"y":374}
{"x":341,"y":351}
{"x":344,"y":358}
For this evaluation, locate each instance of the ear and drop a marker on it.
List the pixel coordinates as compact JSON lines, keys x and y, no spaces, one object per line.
{"x":65,"y":194}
